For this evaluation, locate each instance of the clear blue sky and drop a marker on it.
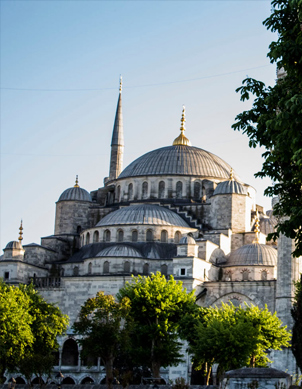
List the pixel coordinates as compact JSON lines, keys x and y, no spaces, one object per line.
{"x":60,"y":67}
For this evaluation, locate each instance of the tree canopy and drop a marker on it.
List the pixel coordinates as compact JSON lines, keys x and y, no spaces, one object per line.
{"x":29,"y":327}
{"x":101,"y":325}
{"x":157,"y":306}
{"x":47,"y":323}
{"x":235,"y":337}
{"x":275,"y":120}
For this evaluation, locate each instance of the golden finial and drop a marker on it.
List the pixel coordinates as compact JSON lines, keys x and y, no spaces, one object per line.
{"x":181,"y":139}
{"x":257,"y":230}
{"x":76,"y":185}
{"x":20,"y":232}
{"x":121,"y":83}
{"x":231,"y":175}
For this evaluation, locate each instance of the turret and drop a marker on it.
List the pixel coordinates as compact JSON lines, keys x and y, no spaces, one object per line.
{"x":117,"y":142}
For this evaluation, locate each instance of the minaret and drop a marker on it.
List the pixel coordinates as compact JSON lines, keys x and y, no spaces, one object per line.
{"x":117,"y":142}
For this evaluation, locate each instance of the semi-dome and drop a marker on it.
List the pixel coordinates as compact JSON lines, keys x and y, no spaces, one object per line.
{"x":143,"y":214}
{"x":179,"y":160}
{"x":253,"y":254}
{"x":75,"y":194}
{"x":187,"y":240}
{"x":230,"y":187}
{"x":119,"y":251}
{"x":14,"y":244}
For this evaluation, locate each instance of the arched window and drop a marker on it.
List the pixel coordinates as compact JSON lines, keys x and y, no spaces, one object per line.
{"x":130,"y":191}
{"x":177,"y":236}
{"x":106,"y":267}
{"x":107,"y":236}
{"x":127,"y":267}
{"x":245,"y":275}
{"x":118,"y":193}
{"x":68,"y":381}
{"x":179,"y":190}
{"x":120,"y":235}
{"x":90,"y":268}
{"x":161,"y":189}
{"x":264,"y":275}
{"x":75,"y":271}
{"x":197,"y":188}
{"x":96,"y":236}
{"x":87,"y":380}
{"x":70,"y":353}
{"x":87,"y":238}
{"x":79,"y":229}
{"x":149,"y":236}
{"x":145,"y":190}
{"x":164,"y":236}
{"x":164,"y":270}
{"x":134,"y":236}
{"x":146,"y":269}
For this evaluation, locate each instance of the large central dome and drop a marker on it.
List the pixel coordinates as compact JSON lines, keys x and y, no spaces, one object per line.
{"x":179,"y":160}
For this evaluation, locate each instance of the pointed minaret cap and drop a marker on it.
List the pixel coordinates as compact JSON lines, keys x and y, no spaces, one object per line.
{"x":121,"y":83}
{"x":181,"y":140}
{"x":76,"y":185}
{"x":118,"y":128}
{"x":20,"y":232}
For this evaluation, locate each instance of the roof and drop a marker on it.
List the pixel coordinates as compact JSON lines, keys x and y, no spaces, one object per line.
{"x":120,"y":251}
{"x":253,"y":254}
{"x":14,"y":244}
{"x":75,"y":194}
{"x":230,"y":187}
{"x":187,"y":240}
{"x":179,"y":160}
{"x":143,"y":214}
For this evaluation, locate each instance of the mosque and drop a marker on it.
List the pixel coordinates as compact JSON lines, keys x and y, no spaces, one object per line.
{"x":180,"y":210}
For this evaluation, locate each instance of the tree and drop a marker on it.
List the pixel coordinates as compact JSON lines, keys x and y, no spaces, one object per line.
{"x":15,"y":326}
{"x":275,"y":120}
{"x":157,"y":305}
{"x":47,"y":324}
{"x":236,"y":336}
{"x":297,"y":328}
{"x":101,"y":325}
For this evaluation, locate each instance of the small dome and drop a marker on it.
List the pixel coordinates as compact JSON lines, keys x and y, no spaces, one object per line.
{"x":230,"y":187}
{"x":75,"y":194}
{"x":187,"y":240}
{"x":119,"y":251}
{"x":143,"y":214}
{"x":14,"y":244}
{"x":253,"y":254}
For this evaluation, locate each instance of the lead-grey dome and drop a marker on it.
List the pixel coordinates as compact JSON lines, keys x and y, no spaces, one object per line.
{"x":253,"y":254}
{"x":119,"y":251}
{"x":187,"y":240}
{"x":14,"y":244}
{"x":143,"y":214}
{"x":179,"y":160}
{"x":75,"y":194}
{"x":230,"y":187}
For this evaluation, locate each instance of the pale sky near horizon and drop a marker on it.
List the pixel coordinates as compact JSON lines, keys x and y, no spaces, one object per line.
{"x":60,"y":67}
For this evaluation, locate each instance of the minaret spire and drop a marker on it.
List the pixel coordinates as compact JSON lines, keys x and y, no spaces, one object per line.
{"x":20,"y":232}
{"x":117,"y":142}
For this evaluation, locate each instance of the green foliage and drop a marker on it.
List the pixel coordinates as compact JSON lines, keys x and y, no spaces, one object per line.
{"x":234,"y":336}
{"x":101,"y":324}
{"x":275,"y":120}
{"x":48,"y":322}
{"x":157,"y":306}
{"x":180,"y":383}
{"x":297,"y":328}
{"x":29,"y":327}
{"x":15,"y":326}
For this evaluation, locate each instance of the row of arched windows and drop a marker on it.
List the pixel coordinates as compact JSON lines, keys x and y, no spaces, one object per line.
{"x":134,"y":236}
{"x":127,"y":269}
{"x":161,"y":190}
{"x":245,"y":275}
